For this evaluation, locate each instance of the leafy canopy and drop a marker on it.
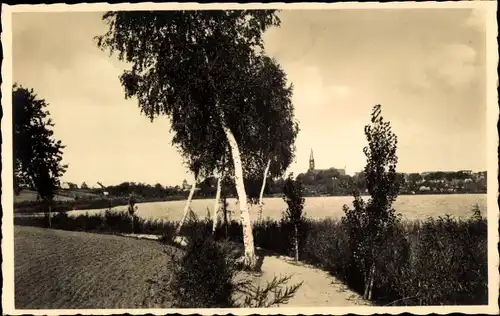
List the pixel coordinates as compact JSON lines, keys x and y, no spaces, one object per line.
{"x":195,"y":67}
{"x":37,"y":155}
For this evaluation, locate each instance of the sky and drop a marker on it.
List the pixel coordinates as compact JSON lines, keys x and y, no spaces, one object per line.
{"x":426,"y":67}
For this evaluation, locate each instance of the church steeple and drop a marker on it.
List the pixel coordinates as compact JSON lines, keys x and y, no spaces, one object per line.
{"x":311,"y":161}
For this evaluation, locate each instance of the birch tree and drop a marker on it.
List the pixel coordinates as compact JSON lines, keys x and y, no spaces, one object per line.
{"x":279,"y":129}
{"x":196,"y":67}
{"x":217,"y":203}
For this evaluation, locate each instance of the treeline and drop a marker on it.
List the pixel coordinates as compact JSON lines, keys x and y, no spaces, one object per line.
{"x":331,"y":182}
{"x":124,"y":189}
{"x":318,"y":182}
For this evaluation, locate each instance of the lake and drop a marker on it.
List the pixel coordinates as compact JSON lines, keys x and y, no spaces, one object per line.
{"x":410,"y":206}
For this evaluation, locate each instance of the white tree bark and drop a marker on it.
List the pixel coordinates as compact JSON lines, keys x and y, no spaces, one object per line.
{"x":186,"y":208}
{"x":296,"y":243}
{"x":216,"y":204}
{"x":261,"y":195}
{"x":50,"y":215}
{"x":250,"y":258}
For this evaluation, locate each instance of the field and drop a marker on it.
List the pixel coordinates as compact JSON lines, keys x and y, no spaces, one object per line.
{"x":29,"y":195}
{"x":412,"y":207}
{"x":61,"y":269}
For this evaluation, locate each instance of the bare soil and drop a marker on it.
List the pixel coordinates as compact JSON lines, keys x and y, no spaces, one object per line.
{"x":57,"y":269}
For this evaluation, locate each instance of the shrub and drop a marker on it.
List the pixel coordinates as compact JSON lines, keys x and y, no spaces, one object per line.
{"x":433,"y":262}
{"x":208,"y":276}
{"x":203,"y":276}
{"x":448,"y":263}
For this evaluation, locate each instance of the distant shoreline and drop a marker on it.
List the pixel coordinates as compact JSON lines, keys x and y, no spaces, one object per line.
{"x":27,"y":207}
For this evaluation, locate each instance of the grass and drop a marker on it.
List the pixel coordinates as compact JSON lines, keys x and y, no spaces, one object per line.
{"x":433,"y":262}
{"x":59,"y":269}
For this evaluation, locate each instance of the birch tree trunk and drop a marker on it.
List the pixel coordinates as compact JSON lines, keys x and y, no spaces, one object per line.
{"x":372,"y":279}
{"x":224,"y":210}
{"x":296,"y":243}
{"x":369,"y":280}
{"x":250,"y":258}
{"x":186,"y":209}
{"x":216,"y":204}
{"x":261,"y":195}
{"x":50,"y":215}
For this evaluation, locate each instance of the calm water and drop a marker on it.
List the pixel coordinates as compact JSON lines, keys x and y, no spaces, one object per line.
{"x":410,"y":206}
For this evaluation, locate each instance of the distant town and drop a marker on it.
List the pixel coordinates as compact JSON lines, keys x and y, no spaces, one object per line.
{"x":316,"y":182}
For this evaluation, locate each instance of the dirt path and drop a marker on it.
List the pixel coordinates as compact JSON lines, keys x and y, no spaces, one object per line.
{"x":319,"y":289}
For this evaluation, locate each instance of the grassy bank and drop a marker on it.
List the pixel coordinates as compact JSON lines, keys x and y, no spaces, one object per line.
{"x":433,"y":262}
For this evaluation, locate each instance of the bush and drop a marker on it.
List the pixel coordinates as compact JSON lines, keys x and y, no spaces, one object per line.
{"x":203,"y":277}
{"x":209,"y":275}
{"x":447,"y":264}
{"x":435,"y":262}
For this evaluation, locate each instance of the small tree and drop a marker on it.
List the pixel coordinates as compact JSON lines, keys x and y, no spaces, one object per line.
{"x":294,"y":213}
{"x":84,"y":186}
{"x":369,"y":223}
{"x":132,"y":208}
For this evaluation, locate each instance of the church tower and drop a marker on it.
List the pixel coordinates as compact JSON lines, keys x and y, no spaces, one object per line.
{"x":311,"y":161}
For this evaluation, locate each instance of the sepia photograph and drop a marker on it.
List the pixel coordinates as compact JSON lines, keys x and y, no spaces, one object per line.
{"x":269,"y":158}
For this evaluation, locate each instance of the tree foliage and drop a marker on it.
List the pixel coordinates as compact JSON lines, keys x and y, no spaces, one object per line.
{"x":192,"y":65}
{"x":294,"y":199}
{"x":189,"y":65}
{"x":37,"y":155}
{"x":370,"y":222}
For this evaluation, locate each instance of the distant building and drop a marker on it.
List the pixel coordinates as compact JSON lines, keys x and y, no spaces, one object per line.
{"x":311,"y":161}
{"x":312,"y":166}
